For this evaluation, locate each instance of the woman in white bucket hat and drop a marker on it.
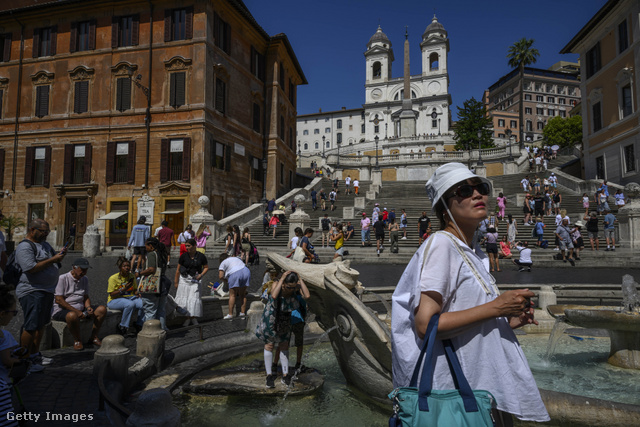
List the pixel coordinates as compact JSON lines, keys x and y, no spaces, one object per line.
{"x":449,"y":274}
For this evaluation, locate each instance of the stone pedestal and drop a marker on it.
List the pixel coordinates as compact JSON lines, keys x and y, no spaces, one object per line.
{"x":113,"y":352}
{"x":510,"y":167}
{"x":150,"y":342}
{"x":348,"y":213}
{"x":298,"y":219}
{"x":337,"y":173}
{"x":481,"y":170}
{"x":204,"y":217}
{"x":91,"y":242}
{"x":376,"y":177}
{"x":629,"y":220}
{"x":359,"y":202}
{"x":154,"y":408}
{"x":371,"y":195}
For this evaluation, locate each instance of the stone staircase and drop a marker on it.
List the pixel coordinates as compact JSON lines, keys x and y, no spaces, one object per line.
{"x":412,"y":197}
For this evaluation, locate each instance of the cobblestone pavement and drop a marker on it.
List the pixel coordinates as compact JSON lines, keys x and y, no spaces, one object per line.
{"x":67,"y":387}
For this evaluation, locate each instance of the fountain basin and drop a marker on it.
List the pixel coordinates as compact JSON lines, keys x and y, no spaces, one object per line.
{"x":623,"y":328}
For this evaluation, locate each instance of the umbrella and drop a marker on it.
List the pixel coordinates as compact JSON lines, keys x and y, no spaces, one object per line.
{"x":555,"y":147}
{"x":278,"y":212}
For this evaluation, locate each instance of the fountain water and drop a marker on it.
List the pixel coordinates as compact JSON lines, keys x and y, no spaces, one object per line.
{"x":623,"y":325}
{"x":556,"y":333}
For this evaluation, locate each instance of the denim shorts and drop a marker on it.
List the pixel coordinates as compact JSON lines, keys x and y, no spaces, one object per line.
{"x":36,"y":306}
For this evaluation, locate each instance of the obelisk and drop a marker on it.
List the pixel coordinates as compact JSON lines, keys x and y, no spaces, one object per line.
{"x":407,"y":115}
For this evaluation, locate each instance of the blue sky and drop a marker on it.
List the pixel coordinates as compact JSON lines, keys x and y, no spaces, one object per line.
{"x":329,"y":38}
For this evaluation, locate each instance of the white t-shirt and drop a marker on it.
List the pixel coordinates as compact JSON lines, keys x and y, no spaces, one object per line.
{"x":155,"y":233}
{"x":525,"y":254}
{"x":231,"y":265}
{"x":489,"y":353}
{"x":294,"y":242}
{"x":347,"y":181}
{"x":356,"y":183}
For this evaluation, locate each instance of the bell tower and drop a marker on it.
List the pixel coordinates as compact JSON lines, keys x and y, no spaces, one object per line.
{"x":379,"y":56}
{"x":435,"y":48}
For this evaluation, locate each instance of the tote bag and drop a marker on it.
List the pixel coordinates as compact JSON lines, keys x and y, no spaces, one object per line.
{"x":299,"y":255}
{"x":423,"y":406}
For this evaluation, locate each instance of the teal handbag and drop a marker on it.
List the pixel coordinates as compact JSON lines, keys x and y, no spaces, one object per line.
{"x":462,"y":407}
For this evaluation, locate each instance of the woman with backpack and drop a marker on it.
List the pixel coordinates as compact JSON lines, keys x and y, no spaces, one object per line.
{"x":246,"y":245}
{"x":192,"y":266}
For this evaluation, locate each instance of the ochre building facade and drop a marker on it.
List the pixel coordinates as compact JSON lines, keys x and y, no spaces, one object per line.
{"x":104,"y":104}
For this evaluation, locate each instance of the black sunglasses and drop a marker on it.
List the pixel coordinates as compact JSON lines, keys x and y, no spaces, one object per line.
{"x":466,"y":190}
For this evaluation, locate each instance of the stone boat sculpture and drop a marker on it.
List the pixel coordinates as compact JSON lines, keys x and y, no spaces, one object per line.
{"x":361,"y":341}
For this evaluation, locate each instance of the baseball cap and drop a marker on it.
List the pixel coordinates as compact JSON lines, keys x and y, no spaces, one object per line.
{"x":364,"y":214}
{"x":445,"y":177}
{"x":81,"y":262}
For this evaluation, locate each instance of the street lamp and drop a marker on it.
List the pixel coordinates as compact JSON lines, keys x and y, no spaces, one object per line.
{"x":508,"y":132}
{"x":299,"y":156}
{"x":480,"y":163}
{"x":323,"y":137}
{"x":376,"y":139}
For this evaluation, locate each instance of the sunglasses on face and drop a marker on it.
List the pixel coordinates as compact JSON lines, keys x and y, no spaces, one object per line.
{"x":466,"y":190}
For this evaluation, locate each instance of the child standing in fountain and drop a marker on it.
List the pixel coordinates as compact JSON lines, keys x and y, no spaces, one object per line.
{"x":275,"y":326}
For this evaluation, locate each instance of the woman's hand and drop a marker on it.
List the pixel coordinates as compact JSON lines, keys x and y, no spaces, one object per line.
{"x":513,"y":303}
{"x":525,"y":318}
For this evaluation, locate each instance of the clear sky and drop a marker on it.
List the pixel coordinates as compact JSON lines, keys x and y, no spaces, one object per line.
{"x":329,"y":38}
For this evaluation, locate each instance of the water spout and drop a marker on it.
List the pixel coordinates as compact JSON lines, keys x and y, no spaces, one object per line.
{"x":556,"y":333}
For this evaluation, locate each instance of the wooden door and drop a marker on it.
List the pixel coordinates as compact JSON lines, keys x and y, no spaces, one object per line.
{"x":81,"y":221}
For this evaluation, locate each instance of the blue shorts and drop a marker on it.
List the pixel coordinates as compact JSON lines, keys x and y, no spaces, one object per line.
{"x":240,"y":278}
{"x":36,"y":307}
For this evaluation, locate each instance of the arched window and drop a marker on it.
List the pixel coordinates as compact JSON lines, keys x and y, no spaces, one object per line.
{"x":400,"y":95}
{"x":377,"y":70}
{"x":317,"y":146}
{"x":433,"y":62}
{"x":306,"y":146}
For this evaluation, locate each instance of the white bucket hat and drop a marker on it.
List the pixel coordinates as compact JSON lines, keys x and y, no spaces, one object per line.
{"x":445,"y":177}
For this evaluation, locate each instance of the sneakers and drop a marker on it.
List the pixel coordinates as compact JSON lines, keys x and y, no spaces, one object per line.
{"x":39,"y":359}
{"x":122,"y":330}
{"x":35,"y":368}
{"x":271,"y":381}
{"x":286,"y":380}
{"x":186,"y":323}
{"x":228,"y":316}
{"x":404,"y":238}
{"x":607,"y":250}
{"x":378,"y":252}
{"x":556,"y":249}
{"x":613,"y":249}
{"x":241,"y":315}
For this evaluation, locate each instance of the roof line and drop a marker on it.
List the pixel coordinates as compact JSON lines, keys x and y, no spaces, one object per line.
{"x":283,"y":37}
{"x":597,"y":18}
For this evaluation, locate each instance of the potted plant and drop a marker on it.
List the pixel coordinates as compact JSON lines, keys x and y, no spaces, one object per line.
{"x":10,"y":225}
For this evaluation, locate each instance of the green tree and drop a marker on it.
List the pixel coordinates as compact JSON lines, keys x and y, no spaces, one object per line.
{"x":521,"y":54}
{"x":472,"y":117}
{"x":563,"y":132}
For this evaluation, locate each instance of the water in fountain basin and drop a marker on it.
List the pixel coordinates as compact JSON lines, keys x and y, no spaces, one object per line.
{"x":556,"y":333}
{"x":630,"y":298}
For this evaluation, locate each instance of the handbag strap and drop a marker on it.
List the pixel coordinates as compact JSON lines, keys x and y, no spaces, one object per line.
{"x":426,"y":380}
{"x":486,"y":286}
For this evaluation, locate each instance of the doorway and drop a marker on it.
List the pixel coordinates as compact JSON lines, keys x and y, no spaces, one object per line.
{"x":76,"y":211}
{"x":174,"y":215}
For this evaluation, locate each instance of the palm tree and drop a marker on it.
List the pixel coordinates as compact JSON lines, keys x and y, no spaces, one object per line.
{"x":520,"y":55}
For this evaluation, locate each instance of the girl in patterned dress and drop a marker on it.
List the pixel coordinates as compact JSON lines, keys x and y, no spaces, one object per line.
{"x":275,"y":326}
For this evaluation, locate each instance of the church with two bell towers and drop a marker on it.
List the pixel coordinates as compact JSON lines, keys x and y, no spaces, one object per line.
{"x":395,"y":108}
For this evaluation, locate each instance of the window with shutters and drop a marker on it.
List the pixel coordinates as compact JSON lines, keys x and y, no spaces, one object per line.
{"x":629,"y":159}
{"x":256,"y":117}
{"x":77,"y":163}
{"x":257,"y":64}
{"x":123,"y":93}
{"x":121,"y":162}
{"x":281,"y":128}
{"x":44,"y":41}
{"x":593,"y":60}
{"x":175,"y":160}
{"x":37,"y":168}
{"x":178,"y":24}
{"x":221,"y":95}
{"x":221,"y":33}
{"x":82,"y":36}
{"x":177,"y":89}
{"x":81,"y":97}
{"x":281,"y":76}
{"x":256,"y":172}
{"x":292,"y":92}
{"x":623,"y":36}
{"x":42,"y":100}
{"x":596,"y":116}
{"x":125,"y":31}
{"x":5,"y":47}
{"x":281,"y":173}
{"x":220,"y":156}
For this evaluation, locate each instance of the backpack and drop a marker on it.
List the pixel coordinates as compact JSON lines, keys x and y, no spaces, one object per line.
{"x":13,"y":271}
{"x":326,"y":222}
